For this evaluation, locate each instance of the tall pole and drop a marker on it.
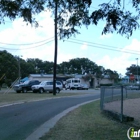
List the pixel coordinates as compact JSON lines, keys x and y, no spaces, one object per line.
{"x":19,"y":73}
{"x":137,"y":70}
{"x":55,"y":51}
{"x":19,"y":69}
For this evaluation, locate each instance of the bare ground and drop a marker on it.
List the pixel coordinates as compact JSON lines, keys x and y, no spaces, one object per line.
{"x":131,"y":107}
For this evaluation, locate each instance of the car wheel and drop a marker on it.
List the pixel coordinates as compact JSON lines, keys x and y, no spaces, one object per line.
{"x":24,"y":90}
{"x":41,"y":90}
{"x":57,"y":90}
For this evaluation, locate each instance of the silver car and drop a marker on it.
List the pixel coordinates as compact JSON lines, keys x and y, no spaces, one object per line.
{"x":45,"y":86}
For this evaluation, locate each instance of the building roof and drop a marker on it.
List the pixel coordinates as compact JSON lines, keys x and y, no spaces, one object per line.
{"x":41,"y":75}
{"x":47,"y":75}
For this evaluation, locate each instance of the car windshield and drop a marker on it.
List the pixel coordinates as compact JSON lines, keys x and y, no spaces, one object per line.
{"x":26,"y":82}
{"x":76,"y":81}
{"x":42,"y":83}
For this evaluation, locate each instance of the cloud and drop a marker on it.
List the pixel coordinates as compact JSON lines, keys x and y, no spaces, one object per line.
{"x":7,"y":35}
{"x":64,"y":57}
{"x":84,"y":46}
{"x":124,"y":60}
{"x":20,"y":33}
{"x":44,"y":52}
{"x":133,"y":48}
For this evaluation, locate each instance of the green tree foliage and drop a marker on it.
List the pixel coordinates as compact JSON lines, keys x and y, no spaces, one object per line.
{"x":113,"y":75}
{"x":116,"y":14}
{"x":117,"y":17}
{"x":8,"y":68}
{"x":99,"y":72}
{"x":75,"y":13}
{"x":38,"y":66}
{"x":133,"y":69}
{"x":76,"y":65}
{"x":21,"y":8}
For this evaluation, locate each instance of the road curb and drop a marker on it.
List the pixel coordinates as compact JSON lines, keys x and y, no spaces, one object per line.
{"x":43,"y":129}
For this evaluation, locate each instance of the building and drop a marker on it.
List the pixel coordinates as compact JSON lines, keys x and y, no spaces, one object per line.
{"x":90,"y":80}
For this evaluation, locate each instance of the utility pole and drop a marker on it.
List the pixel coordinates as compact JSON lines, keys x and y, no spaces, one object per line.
{"x":19,"y":69}
{"x":55,"y":50}
{"x":19,"y":72}
{"x":137,"y":70}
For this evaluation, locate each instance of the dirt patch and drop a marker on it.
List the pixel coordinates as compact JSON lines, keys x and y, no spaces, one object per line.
{"x":131,"y":107}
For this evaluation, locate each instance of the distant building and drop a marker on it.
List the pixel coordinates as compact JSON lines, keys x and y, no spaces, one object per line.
{"x":90,"y":80}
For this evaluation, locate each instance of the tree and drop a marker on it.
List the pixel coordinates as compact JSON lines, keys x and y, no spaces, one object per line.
{"x":115,"y":13}
{"x":133,"y":69}
{"x":78,"y":65}
{"x":21,"y":9}
{"x":113,"y":75}
{"x":117,"y":17}
{"x":99,"y":72}
{"x":75,"y":13}
{"x":8,"y":68}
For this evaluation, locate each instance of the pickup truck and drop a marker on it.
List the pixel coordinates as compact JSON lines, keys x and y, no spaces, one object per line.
{"x":26,"y":86}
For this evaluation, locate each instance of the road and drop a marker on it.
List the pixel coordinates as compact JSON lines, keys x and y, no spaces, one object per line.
{"x":17,"y":122}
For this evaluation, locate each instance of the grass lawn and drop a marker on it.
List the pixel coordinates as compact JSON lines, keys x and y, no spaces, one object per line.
{"x":10,"y":96}
{"x":88,"y":123}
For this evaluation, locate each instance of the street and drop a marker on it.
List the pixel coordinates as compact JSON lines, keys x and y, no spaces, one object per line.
{"x":17,"y":122}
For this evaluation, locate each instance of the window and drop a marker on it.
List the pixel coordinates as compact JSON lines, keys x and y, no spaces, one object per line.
{"x":49,"y":83}
{"x":76,"y":81}
{"x":58,"y":83}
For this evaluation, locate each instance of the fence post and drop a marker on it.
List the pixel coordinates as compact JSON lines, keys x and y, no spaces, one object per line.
{"x":126,"y":91}
{"x":121,"y":103}
{"x":102,"y":98}
{"x":112,"y":92}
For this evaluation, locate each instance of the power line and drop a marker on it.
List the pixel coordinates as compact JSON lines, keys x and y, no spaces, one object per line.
{"x":106,"y":45}
{"x":27,"y":43}
{"x":28,"y":47}
{"x":97,"y":46}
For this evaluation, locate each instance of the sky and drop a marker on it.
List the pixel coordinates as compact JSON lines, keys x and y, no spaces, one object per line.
{"x":112,"y":51}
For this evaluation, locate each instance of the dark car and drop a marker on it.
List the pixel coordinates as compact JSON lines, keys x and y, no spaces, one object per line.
{"x":26,"y":86}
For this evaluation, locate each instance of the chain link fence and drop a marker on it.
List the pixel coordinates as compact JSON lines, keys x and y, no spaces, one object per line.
{"x":119,"y":101}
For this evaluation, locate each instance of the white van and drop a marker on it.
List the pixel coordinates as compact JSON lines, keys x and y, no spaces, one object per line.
{"x":73,"y":83}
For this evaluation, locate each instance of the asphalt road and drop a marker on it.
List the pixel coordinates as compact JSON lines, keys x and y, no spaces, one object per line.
{"x":17,"y":122}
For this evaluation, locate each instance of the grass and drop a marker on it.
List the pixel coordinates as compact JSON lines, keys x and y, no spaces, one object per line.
{"x":9,"y":96}
{"x":87,"y":123}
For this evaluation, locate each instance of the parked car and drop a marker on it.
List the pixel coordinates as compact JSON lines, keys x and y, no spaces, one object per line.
{"x":133,"y":87}
{"x":84,"y":86}
{"x":26,"y":86}
{"x":47,"y":86}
